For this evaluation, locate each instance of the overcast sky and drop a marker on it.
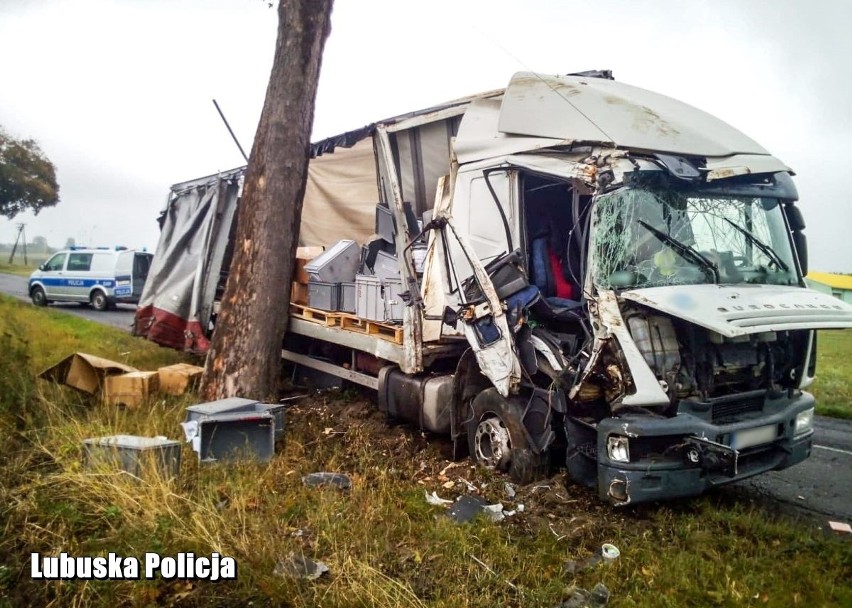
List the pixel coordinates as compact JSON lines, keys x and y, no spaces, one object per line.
{"x":118,"y":92}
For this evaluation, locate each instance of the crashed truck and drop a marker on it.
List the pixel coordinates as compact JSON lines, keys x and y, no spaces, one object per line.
{"x":612,"y":280}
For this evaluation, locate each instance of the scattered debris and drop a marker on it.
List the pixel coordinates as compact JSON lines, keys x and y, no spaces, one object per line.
{"x":299,"y":566}
{"x":434,"y":499}
{"x":610,"y":552}
{"x":510,"y":490}
{"x":84,"y":372}
{"x":599,"y":596}
{"x":338,"y":480}
{"x":607,"y":553}
{"x":448,"y":467}
{"x":449,"y":485}
{"x":465,"y":482}
{"x":838,"y":526}
{"x":467,"y":507}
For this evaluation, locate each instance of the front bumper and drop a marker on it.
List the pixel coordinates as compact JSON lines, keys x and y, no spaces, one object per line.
{"x":667,"y":471}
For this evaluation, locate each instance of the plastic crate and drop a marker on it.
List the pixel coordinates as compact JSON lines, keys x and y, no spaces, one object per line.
{"x":324,"y":296}
{"x":348,"y":298}
{"x":394,"y":305}
{"x":133,"y":454}
{"x":337,"y":264}
{"x":235,"y":435}
{"x":368,"y":295}
{"x":386,"y":266}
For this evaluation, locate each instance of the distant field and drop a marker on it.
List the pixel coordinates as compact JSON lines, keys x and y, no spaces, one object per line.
{"x":833,"y":385}
{"x":20,"y":268}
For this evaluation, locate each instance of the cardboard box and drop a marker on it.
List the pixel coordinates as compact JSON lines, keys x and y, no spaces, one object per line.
{"x":299,"y":293}
{"x":84,"y":372}
{"x":303,"y":256}
{"x":179,"y":378}
{"x":130,"y":389}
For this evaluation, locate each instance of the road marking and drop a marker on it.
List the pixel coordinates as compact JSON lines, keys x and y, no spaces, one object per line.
{"x":825,"y":447}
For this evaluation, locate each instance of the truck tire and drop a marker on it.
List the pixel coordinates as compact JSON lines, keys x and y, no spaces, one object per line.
{"x":38,"y":296}
{"x":496,"y":438}
{"x":99,"y":300}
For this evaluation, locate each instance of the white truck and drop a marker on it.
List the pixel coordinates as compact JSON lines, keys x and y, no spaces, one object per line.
{"x":613,"y":280}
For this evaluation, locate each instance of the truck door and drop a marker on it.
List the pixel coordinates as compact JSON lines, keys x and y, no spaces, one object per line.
{"x":480,"y":313}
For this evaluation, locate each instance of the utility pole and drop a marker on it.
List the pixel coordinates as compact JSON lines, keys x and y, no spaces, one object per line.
{"x":21,"y":235}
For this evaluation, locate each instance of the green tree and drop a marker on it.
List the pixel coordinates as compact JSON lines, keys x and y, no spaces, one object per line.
{"x":27,"y":177}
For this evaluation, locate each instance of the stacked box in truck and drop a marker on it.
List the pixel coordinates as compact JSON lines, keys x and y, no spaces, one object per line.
{"x":608,"y":273}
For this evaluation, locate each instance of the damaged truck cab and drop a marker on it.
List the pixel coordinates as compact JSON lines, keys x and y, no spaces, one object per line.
{"x":612,"y":280}
{"x":631,"y":287}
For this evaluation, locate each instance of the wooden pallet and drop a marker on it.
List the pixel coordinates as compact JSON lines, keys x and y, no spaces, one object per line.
{"x":383,"y":331}
{"x":314,"y":315}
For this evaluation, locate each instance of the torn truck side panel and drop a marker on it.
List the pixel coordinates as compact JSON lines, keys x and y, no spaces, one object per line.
{"x":620,"y":274}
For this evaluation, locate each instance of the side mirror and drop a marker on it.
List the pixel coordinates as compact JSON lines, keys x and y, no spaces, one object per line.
{"x":801,"y":244}
{"x":41,"y":266}
{"x":794,"y":218}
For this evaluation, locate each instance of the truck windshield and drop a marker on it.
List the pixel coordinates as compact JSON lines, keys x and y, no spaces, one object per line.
{"x":648,"y":237}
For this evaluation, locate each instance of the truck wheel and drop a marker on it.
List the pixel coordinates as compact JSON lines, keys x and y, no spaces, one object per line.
{"x":497,"y":440}
{"x":38,"y":297}
{"x":99,"y":301}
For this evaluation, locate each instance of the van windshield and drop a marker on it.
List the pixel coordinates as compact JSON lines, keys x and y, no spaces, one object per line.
{"x":648,"y":237}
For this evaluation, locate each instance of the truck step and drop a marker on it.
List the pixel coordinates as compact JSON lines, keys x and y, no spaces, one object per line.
{"x":383,"y":331}
{"x":314,"y":315}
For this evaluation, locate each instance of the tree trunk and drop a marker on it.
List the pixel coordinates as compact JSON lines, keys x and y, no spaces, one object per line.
{"x":245,"y":356}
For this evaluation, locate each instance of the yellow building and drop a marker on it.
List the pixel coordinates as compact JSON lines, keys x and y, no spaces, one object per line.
{"x":838,"y":285}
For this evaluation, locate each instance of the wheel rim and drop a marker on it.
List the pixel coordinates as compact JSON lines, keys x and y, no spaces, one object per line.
{"x":99,"y":301}
{"x":492,"y":442}
{"x":38,"y":297}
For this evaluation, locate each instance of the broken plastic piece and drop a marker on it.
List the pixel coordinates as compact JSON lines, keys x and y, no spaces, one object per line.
{"x":299,"y":566}
{"x":495,"y":512}
{"x":434,"y":499}
{"x":510,"y":490}
{"x":580,"y":598}
{"x":338,"y":480}
{"x":609,"y":552}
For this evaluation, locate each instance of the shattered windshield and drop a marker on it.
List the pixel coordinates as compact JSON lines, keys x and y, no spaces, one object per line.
{"x":648,"y":237}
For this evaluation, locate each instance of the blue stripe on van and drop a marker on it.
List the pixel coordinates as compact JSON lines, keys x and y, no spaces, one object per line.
{"x":72,"y":282}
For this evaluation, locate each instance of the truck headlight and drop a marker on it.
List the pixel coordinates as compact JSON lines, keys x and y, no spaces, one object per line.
{"x":804,"y":422}
{"x":618,"y":448}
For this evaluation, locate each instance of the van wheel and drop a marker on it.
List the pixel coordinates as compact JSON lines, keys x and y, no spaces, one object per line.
{"x":496,"y":438}
{"x":99,"y":301}
{"x":39,"y":299}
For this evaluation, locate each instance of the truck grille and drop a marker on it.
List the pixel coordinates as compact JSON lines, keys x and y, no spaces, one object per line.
{"x":726,"y":412}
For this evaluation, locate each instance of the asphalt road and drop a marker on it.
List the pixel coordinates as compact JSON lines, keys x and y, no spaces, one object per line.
{"x":821,"y":485}
{"x":120,"y":317}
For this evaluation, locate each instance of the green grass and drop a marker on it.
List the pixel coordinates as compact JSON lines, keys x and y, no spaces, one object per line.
{"x":19,"y":268}
{"x":832,"y":387}
{"x":384,"y":545}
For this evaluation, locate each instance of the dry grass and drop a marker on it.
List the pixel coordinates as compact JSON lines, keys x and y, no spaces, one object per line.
{"x":832,"y":387}
{"x":384,"y":545}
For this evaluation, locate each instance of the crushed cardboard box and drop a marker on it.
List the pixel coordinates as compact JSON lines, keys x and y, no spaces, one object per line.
{"x":179,"y":378}
{"x":303,"y":256}
{"x":130,"y":389}
{"x":84,"y":372}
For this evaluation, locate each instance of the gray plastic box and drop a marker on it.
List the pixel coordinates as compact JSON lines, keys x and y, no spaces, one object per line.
{"x":134,"y":454}
{"x":337,"y":264}
{"x":394,"y":304}
{"x":348,"y":298}
{"x":235,"y":435}
{"x":368,"y":294}
{"x":384,"y":223}
{"x":237,"y":405}
{"x":386,"y":266}
{"x":324,"y":296}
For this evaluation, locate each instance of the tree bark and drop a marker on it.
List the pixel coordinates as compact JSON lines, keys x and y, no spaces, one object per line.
{"x":245,"y":355}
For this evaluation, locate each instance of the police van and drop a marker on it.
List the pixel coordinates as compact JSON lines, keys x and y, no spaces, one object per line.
{"x":98,"y":276}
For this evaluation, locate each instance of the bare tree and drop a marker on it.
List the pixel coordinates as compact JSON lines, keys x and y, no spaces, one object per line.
{"x":245,"y":355}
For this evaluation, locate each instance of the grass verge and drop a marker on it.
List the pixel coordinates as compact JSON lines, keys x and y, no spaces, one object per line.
{"x":20,"y":269}
{"x":384,"y":545}
{"x":832,"y":387}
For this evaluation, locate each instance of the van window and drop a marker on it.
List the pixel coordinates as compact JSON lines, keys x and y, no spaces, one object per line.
{"x":125,"y":263}
{"x":103,"y":262}
{"x":79,"y":262}
{"x":55,"y":263}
